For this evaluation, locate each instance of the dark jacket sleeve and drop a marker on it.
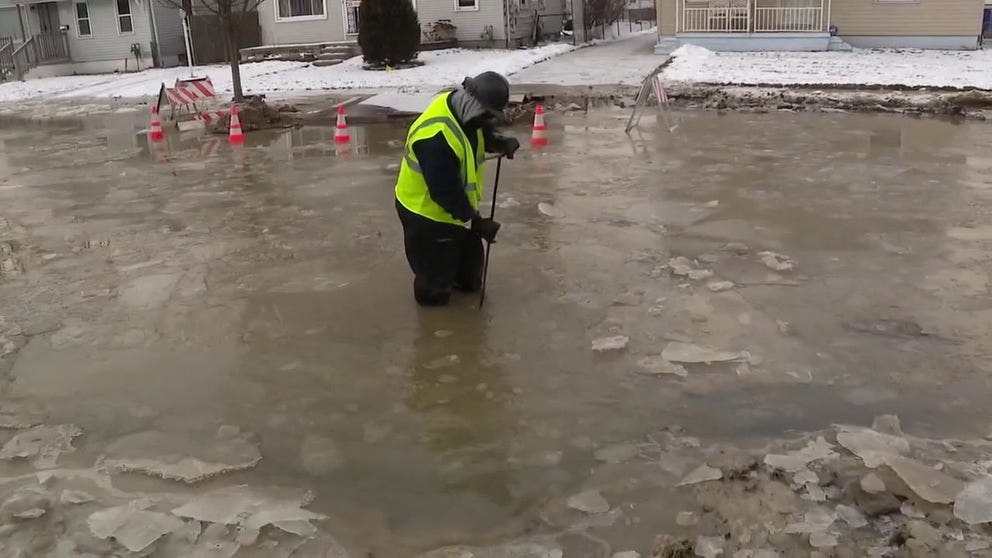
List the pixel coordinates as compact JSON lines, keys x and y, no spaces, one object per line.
{"x":442,"y":172}
{"x":495,"y":141}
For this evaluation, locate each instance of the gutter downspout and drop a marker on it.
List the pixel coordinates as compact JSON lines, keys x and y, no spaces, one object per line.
{"x":506,"y":22}
{"x":154,"y":24}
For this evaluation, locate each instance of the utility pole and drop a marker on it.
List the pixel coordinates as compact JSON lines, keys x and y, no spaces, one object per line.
{"x":579,"y":21}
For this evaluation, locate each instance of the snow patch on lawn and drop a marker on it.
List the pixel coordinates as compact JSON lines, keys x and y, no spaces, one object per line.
{"x":862,"y":67}
{"x":442,"y":68}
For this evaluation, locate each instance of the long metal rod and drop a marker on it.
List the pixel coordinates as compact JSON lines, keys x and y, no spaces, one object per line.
{"x":489,"y":245}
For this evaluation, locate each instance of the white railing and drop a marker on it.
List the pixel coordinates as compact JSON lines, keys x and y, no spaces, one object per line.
{"x":709,"y":20}
{"x":751,"y":19}
{"x":799,"y":20}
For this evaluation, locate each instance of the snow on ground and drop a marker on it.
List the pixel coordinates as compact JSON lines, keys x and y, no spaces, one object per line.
{"x":914,"y":68}
{"x":442,"y":68}
{"x":623,"y":62}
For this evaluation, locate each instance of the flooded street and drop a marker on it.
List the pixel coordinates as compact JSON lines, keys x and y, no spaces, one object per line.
{"x":223,"y":317}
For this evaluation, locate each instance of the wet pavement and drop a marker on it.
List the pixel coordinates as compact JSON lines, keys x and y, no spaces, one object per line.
{"x":199,"y":300}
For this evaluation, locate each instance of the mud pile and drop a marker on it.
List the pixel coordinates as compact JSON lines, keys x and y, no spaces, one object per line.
{"x":256,"y":114}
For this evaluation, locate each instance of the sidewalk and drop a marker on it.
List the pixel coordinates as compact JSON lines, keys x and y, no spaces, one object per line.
{"x":624,"y":62}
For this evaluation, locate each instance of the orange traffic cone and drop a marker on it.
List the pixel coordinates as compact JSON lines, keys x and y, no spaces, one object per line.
{"x":341,"y":131}
{"x":156,"y":133}
{"x":539,"y":137}
{"x":159,"y":149}
{"x":236,"y":136}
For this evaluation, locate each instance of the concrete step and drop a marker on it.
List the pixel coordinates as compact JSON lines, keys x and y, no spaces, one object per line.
{"x":339,"y":57}
{"x":324,"y":63}
{"x":838,"y":44}
{"x":338,"y":49}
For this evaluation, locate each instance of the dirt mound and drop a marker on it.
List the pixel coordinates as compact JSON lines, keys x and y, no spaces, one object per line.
{"x":256,"y":114}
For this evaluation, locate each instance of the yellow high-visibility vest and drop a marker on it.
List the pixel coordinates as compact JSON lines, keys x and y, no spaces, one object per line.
{"x":411,"y":188}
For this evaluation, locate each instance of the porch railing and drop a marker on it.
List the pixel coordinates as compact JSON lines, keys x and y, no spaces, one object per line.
{"x":6,"y":58}
{"x":706,"y":20}
{"x":788,"y":19}
{"x":751,"y":19}
{"x":38,"y":49}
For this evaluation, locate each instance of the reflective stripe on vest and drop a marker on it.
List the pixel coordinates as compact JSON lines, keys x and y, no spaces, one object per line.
{"x":411,"y":188}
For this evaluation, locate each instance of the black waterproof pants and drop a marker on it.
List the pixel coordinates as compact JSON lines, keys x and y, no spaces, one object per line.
{"x":442,"y":256}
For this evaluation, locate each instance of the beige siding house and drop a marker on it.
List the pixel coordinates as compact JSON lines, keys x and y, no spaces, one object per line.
{"x":754,"y":25}
{"x":483,"y":23}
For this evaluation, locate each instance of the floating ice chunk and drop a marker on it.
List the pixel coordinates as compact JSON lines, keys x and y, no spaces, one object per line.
{"x":815,"y":520}
{"x":776,"y":261}
{"x":249,"y":507}
{"x":796,"y":461}
{"x":182,"y":457}
{"x":928,"y":483}
{"x":550,"y":210}
{"x":657,"y":365}
{"x":974,"y":504}
{"x":822,"y":539}
{"x":590,"y":501}
{"x":871,"y":446}
{"x":720,"y":286}
{"x":851,"y":516}
{"x":617,"y":453}
{"x":132,"y":526}
{"x":75,"y":497}
{"x":689,"y":353}
{"x":703,"y":473}
{"x":18,"y":414}
{"x":709,"y":547}
{"x":42,"y":444}
{"x":872,"y":484}
{"x":615,"y":343}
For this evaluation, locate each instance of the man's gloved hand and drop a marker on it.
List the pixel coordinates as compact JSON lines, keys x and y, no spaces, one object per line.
{"x":507,"y":145}
{"x":485,"y":227}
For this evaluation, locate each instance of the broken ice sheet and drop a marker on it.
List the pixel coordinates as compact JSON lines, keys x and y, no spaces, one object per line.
{"x":615,"y":343}
{"x":974,"y":504}
{"x":132,"y":526}
{"x":703,"y":473}
{"x":183,"y":457}
{"x":851,"y":516}
{"x":871,"y":446}
{"x":656,"y":365}
{"x":928,"y":483}
{"x":250,"y":507}
{"x":590,"y":501}
{"x":443,"y":362}
{"x":549,"y":210}
{"x":42,"y":444}
{"x":18,"y":414}
{"x":815,"y":520}
{"x":709,"y":547}
{"x":694,"y":354}
{"x":776,"y":261}
{"x":796,"y":461}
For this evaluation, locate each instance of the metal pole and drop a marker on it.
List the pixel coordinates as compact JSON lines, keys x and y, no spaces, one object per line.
{"x":489,"y":245}
{"x":189,"y":44}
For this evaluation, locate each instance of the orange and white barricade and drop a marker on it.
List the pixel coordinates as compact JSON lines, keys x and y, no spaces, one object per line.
{"x":193,"y":103}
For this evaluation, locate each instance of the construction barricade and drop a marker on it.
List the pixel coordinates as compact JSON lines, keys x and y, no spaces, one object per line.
{"x":193,"y":103}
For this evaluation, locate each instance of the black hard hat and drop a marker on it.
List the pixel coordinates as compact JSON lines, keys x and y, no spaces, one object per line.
{"x":490,"y":89}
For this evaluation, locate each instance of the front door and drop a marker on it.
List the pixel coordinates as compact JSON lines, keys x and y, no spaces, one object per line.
{"x":351,"y":9}
{"x":48,"y":18}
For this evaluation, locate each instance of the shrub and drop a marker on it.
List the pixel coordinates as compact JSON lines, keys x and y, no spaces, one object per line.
{"x":388,"y":32}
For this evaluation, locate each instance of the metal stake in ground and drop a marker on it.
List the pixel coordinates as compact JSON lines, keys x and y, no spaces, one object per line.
{"x":489,"y":245}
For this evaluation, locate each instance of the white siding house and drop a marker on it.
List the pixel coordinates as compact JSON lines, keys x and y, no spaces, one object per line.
{"x":484,"y":23}
{"x":93,"y":36}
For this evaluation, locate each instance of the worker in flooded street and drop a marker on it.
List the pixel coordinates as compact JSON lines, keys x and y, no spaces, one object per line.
{"x":440,"y":186}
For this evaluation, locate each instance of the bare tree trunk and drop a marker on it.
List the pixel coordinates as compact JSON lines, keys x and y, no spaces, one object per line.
{"x":233,"y":56}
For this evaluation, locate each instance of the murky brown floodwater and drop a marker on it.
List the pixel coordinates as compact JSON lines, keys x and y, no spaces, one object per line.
{"x":266,"y":288}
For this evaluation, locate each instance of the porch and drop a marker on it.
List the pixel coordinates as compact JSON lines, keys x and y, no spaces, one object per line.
{"x":750,"y":25}
{"x":19,"y":56}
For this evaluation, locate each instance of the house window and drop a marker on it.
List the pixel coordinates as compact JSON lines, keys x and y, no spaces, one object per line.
{"x":125,"y":24}
{"x":351,"y":12}
{"x":293,"y":9}
{"x":83,"y":20}
{"x":466,"y":5}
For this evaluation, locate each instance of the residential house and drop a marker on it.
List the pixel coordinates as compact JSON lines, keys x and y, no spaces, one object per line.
{"x":483,"y":23}
{"x":89,"y":36}
{"x":754,"y":25}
